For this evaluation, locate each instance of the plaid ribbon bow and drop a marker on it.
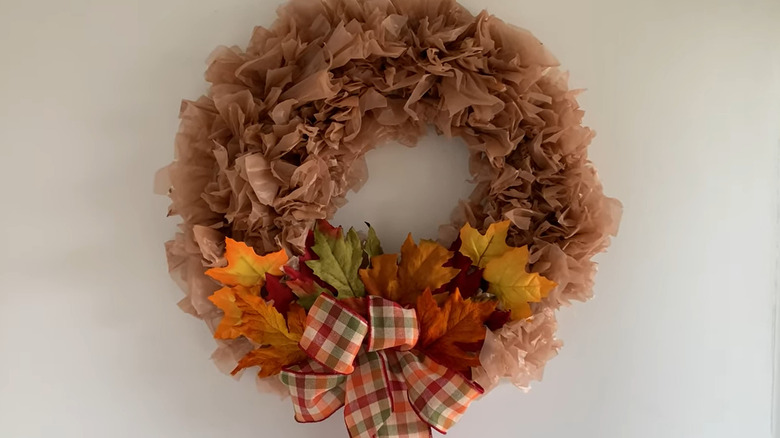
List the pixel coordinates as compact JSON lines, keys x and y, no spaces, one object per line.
{"x":387,"y":390}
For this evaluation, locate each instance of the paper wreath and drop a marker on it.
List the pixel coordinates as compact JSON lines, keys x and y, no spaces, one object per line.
{"x":403,"y":342}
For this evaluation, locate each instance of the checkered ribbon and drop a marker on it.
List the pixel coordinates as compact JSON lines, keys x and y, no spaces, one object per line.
{"x":387,"y":391}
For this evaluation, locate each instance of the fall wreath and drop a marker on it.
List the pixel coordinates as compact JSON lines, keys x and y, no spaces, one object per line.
{"x":403,"y":341}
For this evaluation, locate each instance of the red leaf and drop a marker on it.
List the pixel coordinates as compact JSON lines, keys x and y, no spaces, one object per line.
{"x":468,"y":280}
{"x":356,"y":304}
{"x":326,"y":228}
{"x":303,"y":279}
{"x":497,"y":319}
{"x":280,"y":293}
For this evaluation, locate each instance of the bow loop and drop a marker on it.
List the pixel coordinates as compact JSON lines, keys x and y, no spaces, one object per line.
{"x":368,"y":403}
{"x":315,"y":392}
{"x":333,"y":334}
{"x":391,"y":325}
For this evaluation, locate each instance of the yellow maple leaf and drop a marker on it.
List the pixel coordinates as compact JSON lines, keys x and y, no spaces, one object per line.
{"x":513,"y":285}
{"x":248,"y":315}
{"x":245,"y":267}
{"x":421,"y":267}
{"x":272,"y":358}
{"x":481,"y":249}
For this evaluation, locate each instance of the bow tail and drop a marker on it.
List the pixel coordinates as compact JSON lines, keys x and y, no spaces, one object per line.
{"x":404,"y":422}
{"x":368,"y":402}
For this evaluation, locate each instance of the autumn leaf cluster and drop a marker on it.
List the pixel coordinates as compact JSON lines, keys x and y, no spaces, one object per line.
{"x":479,"y":283}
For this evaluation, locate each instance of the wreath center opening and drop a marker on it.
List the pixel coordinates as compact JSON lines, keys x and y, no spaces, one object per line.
{"x":410,"y":189}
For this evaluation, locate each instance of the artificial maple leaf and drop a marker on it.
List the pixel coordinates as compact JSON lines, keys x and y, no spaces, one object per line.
{"x":357,"y":305}
{"x":245,"y":267}
{"x":430,"y":317}
{"x":279,"y":293}
{"x":305,"y":298}
{"x":481,"y":249}
{"x":382,"y":278}
{"x":249,"y":315}
{"x":373,"y":247}
{"x":272,"y":358}
{"x":339,"y":260}
{"x":304,"y":284}
{"x":326,"y":228}
{"x":498,"y":319}
{"x":452,"y":334}
{"x":469,"y":279}
{"x":514,"y":287}
{"x":421,"y":267}
{"x":296,"y":319}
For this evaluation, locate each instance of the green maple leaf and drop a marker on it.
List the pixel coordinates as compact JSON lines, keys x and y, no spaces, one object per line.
{"x":339,"y":261}
{"x":308,"y":301}
{"x":373,"y":247}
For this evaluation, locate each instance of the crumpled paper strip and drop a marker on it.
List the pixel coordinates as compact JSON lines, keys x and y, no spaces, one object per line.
{"x":518,"y":351}
{"x":281,"y":136}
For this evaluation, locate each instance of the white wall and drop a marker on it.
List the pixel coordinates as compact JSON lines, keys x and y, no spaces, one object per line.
{"x":685,"y":96}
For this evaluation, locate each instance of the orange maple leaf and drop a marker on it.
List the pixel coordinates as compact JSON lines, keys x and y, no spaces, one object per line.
{"x":514,"y":287}
{"x":245,"y":267}
{"x":453,"y":333}
{"x":421,"y":267}
{"x":272,"y":358}
{"x":248,"y":315}
{"x":296,"y":319}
